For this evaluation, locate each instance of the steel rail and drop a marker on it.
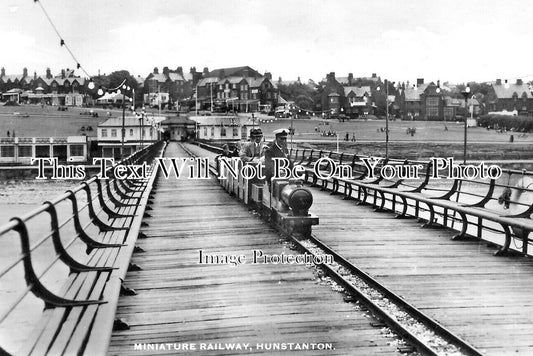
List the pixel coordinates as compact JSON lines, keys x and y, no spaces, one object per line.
{"x":391,"y":321}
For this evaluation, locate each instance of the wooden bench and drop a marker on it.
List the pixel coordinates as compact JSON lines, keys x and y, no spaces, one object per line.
{"x":438,"y":201}
{"x":79,"y":319}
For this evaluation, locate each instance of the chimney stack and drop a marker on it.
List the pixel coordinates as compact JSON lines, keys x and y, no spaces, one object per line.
{"x":156,"y":70}
{"x":519,"y":82}
{"x":419,"y":81}
{"x":498,"y":82}
{"x":2,"y":72}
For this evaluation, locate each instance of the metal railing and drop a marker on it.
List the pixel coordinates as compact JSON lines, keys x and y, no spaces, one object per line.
{"x":77,"y":222}
{"x":489,"y":209}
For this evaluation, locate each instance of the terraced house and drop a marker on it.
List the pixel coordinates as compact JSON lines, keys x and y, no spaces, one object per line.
{"x":170,"y":86}
{"x":510,"y":97}
{"x":63,"y":89}
{"x":241,"y":89}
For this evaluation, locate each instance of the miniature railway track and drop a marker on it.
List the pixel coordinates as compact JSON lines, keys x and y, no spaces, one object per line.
{"x":213,"y":303}
{"x":421,"y":331}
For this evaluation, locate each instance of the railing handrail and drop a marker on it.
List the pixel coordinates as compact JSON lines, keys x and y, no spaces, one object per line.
{"x":18,"y":225}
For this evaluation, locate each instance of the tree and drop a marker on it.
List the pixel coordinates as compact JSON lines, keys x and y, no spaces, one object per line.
{"x":301,"y":94}
{"x":113,"y":80}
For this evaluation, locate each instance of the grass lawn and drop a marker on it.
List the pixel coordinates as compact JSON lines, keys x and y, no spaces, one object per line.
{"x":34,"y":121}
{"x":431,"y":137}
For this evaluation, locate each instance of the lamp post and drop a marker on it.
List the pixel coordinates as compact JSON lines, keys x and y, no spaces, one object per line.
{"x":386,"y":117}
{"x":211,"y":94}
{"x":196,"y":100}
{"x":141,"y":126}
{"x":466,"y":94}
{"x":123,"y":131}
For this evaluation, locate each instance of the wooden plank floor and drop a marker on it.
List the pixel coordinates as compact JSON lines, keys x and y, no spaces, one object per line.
{"x":486,"y":300}
{"x":182,"y":302}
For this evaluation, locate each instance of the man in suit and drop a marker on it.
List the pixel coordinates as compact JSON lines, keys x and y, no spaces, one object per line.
{"x":251,"y":151}
{"x":278,"y":149}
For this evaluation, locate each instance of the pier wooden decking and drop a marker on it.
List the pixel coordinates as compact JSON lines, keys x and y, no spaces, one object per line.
{"x":180,"y":301}
{"x":486,"y":300}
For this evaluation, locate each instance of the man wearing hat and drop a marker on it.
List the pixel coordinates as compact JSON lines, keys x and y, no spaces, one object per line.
{"x":251,"y":151}
{"x":278,"y":149}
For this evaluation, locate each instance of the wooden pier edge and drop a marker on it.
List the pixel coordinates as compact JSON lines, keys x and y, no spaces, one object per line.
{"x":102,"y":328}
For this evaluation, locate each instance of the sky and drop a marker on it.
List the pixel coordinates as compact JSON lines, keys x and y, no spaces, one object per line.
{"x":453,"y":41}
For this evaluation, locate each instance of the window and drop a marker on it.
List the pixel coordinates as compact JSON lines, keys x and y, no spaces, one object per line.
{"x":25,"y":151}
{"x":113,"y":132}
{"x":76,"y":150}
{"x":212,"y":131}
{"x":7,"y":151}
{"x":432,"y":101}
{"x":205,"y":131}
{"x":131,"y":132}
{"x":223,"y":131}
{"x":235,"y":132}
{"x":151,"y":132}
{"x":104,"y":132}
{"x":432,"y":112}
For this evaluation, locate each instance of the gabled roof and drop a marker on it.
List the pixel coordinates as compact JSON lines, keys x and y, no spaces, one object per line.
{"x":256,"y":82}
{"x":281,"y":101}
{"x":205,"y":81}
{"x":12,"y":77}
{"x":343,"y":80}
{"x":180,"y":120}
{"x":234,"y":71}
{"x":358,"y":91}
{"x":117,"y":122}
{"x":507,"y":93}
{"x":71,"y":80}
{"x":232,"y":80}
{"x":412,"y":94}
{"x":160,"y":77}
{"x":175,"y":77}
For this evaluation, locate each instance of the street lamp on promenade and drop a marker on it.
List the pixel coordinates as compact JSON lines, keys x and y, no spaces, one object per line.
{"x":466,"y":93}
{"x":123,"y":89}
{"x":141,"y":127}
{"x":386,"y":83}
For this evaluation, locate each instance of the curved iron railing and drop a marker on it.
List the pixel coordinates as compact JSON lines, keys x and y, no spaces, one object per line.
{"x":95,"y":208}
